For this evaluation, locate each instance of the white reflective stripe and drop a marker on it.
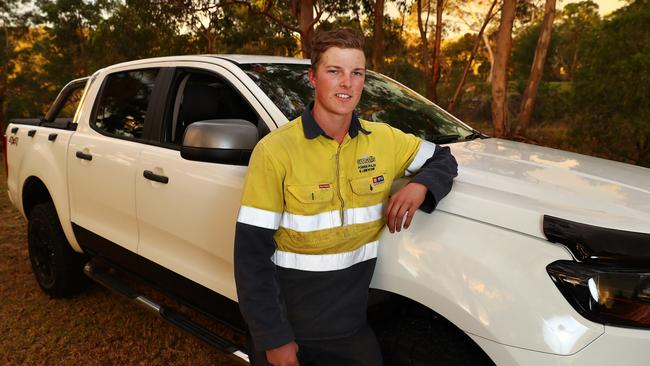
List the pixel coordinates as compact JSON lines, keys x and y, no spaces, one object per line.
{"x":321,"y":221}
{"x":325,"y":262}
{"x":258,"y":217}
{"x":362,"y":215}
{"x":332,"y":219}
{"x":424,"y":153}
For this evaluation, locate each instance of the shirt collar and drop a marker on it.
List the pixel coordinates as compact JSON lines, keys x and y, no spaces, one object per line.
{"x":313,"y":130}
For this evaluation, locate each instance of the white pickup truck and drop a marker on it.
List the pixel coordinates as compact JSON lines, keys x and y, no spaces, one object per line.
{"x":536,"y":257}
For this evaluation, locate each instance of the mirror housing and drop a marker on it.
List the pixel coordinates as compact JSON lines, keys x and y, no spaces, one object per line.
{"x":224,"y":141}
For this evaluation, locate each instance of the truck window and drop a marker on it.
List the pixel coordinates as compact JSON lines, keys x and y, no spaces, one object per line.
{"x":70,"y":107}
{"x":199,"y":96}
{"x":383,"y":100}
{"x":122,"y":107}
{"x":66,"y":103}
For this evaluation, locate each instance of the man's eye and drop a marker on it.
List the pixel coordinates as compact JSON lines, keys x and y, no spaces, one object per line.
{"x":357,"y":73}
{"x":333,"y":71}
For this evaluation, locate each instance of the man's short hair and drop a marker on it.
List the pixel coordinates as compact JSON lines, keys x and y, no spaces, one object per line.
{"x":340,"y":37}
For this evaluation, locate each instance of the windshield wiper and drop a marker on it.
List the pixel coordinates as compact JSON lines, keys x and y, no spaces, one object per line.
{"x":443,"y":139}
{"x":474,"y":135}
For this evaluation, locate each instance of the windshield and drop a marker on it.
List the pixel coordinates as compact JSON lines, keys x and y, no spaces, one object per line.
{"x":383,"y":100}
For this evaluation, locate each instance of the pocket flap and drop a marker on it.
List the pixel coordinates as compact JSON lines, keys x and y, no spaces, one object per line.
{"x":369,"y":185}
{"x":313,"y":193}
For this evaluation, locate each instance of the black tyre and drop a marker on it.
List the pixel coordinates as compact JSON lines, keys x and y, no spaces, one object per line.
{"x":58,"y":268}
{"x":427,"y":340}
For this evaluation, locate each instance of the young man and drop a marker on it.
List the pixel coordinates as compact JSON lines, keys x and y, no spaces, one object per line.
{"x":315,"y":202}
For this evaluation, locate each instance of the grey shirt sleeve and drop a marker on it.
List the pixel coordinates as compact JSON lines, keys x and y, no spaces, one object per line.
{"x":258,"y":290}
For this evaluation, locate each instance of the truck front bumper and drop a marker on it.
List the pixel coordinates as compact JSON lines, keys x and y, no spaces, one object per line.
{"x":616,"y":346}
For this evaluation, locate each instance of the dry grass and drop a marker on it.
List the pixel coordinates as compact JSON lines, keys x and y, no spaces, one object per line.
{"x":97,"y":327}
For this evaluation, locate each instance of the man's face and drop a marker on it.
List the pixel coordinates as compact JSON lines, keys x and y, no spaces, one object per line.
{"x":338,"y":80}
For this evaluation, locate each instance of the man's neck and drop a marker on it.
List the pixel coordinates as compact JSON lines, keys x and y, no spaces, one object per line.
{"x":335,"y":126}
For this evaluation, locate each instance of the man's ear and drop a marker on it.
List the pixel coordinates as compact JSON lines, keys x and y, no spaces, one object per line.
{"x":312,"y":77}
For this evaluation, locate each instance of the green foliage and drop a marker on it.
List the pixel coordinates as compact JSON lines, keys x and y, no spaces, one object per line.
{"x":571,"y":26}
{"x":28,"y":92}
{"x":245,"y":32}
{"x":576,"y":21}
{"x":138,"y":29}
{"x":522,"y":56}
{"x":596,"y":77}
{"x":69,"y":24}
{"x":613,"y":84}
{"x":14,"y":30}
{"x":457,"y":54}
{"x":554,"y":101}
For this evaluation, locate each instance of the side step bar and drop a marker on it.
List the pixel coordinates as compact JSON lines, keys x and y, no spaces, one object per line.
{"x":175,"y":318}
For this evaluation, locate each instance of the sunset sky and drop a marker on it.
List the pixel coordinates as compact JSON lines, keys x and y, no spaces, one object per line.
{"x":605,"y":6}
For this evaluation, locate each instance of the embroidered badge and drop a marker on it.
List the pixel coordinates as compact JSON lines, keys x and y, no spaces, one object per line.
{"x":378,"y":180}
{"x":324,"y":185}
{"x":366,"y":164}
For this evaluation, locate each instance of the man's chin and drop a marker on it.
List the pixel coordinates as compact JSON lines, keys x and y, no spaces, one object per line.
{"x":345,"y":107}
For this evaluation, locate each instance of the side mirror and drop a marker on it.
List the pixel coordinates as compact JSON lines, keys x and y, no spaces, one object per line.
{"x":224,"y":141}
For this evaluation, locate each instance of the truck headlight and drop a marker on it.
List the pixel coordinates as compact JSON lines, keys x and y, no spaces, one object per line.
{"x":605,"y":294}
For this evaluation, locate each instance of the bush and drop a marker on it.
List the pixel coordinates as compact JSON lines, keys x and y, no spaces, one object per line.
{"x":554,"y":101}
{"x":619,"y":138}
{"x":613,"y":86}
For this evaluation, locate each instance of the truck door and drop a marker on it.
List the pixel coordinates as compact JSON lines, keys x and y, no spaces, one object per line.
{"x":186,"y":209}
{"x":102,"y":158}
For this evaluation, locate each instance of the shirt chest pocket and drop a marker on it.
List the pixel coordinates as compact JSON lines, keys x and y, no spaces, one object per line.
{"x":309,"y":199}
{"x":369,"y":191}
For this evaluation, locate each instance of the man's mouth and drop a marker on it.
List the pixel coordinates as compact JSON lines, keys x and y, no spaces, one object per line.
{"x":343,"y":96}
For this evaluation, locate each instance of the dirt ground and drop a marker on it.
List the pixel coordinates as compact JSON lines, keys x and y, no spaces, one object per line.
{"x":97,"y":327}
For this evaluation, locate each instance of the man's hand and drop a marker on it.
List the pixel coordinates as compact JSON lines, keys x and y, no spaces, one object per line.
{"x":407,"y":199}
{"x":283,"y":355}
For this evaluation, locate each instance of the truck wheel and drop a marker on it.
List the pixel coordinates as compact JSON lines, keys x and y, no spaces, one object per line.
{"x":426,"y":341}
{"x":57,"y":267}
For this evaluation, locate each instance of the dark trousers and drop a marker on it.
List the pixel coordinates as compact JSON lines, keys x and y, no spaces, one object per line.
{"x":359,"y":349}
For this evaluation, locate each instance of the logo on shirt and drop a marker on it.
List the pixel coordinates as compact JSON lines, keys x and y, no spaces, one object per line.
{"x":324,"y":185}
{"x":377,"y":180}
{"x":366,"y":164}
{"x":12,"y":140}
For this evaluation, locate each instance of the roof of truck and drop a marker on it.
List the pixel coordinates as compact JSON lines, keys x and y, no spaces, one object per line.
{"x":254,"y":59}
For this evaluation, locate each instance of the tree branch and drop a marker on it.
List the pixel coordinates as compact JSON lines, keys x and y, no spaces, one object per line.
{"x":267,"y":13}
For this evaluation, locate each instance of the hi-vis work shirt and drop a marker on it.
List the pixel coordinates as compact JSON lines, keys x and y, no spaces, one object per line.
{"x":311,"y":215}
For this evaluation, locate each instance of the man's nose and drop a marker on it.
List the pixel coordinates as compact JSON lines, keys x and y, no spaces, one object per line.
{"x":346,"y":80}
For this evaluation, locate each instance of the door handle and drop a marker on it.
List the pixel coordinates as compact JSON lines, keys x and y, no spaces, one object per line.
{"x":155,"y":177}
{"x":82,"y":155}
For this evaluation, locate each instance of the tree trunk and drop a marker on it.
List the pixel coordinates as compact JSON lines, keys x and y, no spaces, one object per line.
{"x":574,"y":63}
{"x":9,"y":54}
{"x":211,"y":42}
{"x":3,"y":123}
{"x":424,"y":50}
{"x":436,"y":50}
{"x":536,"y":70}
{"x":82,"y":62}
{"x":304,"y":12}
{"x":459,"y":88}
{"x":499,"y":79}
{"x":490,"y":54}
{"x":378,"y":37}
